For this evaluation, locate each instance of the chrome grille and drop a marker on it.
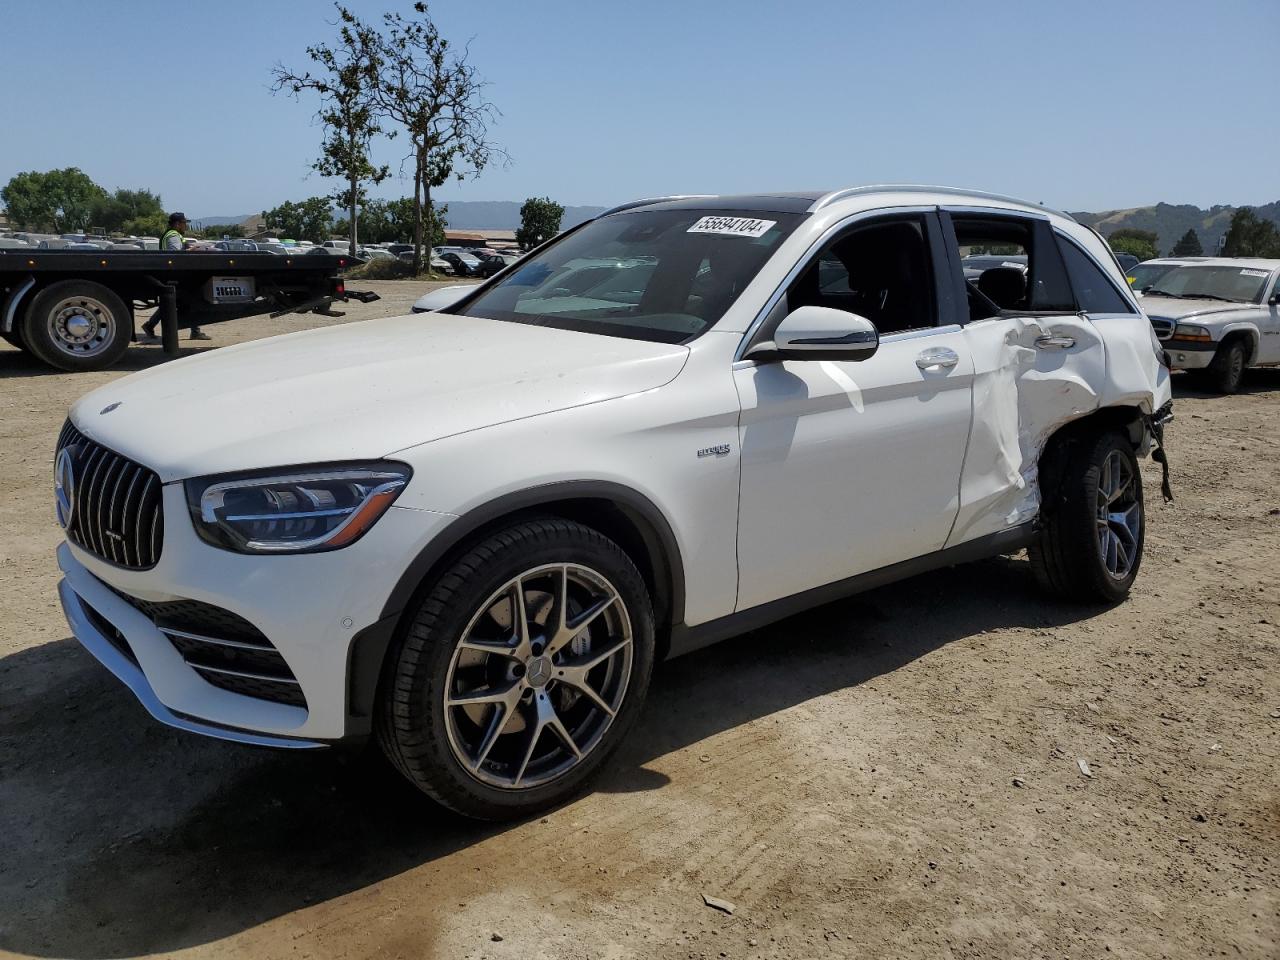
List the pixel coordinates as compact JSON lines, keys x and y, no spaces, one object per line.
{"x":1163,"y":327}
{"x":116,"y":511}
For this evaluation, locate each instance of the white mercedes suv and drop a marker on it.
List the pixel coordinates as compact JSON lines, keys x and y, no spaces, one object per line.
{"x":471,"y":533}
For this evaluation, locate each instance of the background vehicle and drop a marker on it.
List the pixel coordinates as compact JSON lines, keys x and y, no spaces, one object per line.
{"x":1127,"y":261}
{"x":1217,"y":316}
{"x":670,"y":425}
{"x":75,"y":311}
{"x":463,"y":264}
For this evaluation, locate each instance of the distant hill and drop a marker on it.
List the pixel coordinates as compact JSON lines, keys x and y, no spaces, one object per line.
{"x":463,"y":215}
{"x":1170,"y":221}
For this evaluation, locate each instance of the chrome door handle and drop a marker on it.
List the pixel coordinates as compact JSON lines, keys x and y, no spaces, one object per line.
{"x":1054,"y":342}
{"x":937,"y":358}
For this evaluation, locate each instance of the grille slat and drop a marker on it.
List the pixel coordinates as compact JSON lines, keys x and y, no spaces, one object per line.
{"x":117,"y":513}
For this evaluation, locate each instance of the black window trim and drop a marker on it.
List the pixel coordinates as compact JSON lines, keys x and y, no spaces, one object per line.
{"x":762,"y":327}
{"x":1125,"y":296}
{"x":1041,"y":229}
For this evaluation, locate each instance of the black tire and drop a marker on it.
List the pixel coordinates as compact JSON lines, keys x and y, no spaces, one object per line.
{"x":107,"y":317}
{"x":1068,"y":556}
{"x":1225,"y":373}
{"x":411,"y":721}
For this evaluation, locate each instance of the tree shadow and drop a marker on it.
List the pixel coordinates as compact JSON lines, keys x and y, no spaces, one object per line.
{"x":120,"y":837}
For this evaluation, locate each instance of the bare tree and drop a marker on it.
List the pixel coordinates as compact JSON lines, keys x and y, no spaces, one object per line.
{"x":345,"y":80}
{"x":438,"y":98}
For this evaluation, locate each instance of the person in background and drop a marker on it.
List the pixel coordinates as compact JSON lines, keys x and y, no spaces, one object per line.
{"x":172,"y":241}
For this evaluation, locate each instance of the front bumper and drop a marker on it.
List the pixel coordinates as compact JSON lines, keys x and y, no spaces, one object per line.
{"x":1188,"y":354}
{"x":322,"y":612}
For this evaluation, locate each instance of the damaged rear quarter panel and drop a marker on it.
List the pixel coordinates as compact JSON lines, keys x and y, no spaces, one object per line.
{"x":1023,"y":394}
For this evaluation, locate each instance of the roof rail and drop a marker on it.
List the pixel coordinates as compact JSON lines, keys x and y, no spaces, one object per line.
{"x":835,"y":195}
{"x":651,"y":200}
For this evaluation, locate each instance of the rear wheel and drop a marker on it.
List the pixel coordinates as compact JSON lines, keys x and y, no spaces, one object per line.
{"x":524,"y":667}
{"x":1226,"y":373}
{"x":1092,"y":534}
{"x":77,"y":325}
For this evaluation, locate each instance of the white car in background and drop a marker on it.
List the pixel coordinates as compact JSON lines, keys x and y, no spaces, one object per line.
{"x":1216,"y":316}
{"x":472,"y":534}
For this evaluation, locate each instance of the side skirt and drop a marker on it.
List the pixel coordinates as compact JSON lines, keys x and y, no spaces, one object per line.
{"x":685,"y":639}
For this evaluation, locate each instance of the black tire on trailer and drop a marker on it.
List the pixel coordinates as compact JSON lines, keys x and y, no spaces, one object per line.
{"x":498,"y":715}
{"x":1093,"y":525}
{"x":1226,"y":372}
{"x":77,"y":325}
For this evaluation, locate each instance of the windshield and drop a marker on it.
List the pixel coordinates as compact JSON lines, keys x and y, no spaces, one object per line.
{"x":662,"y":275}
{"x":1240,"y":284}
{"x":1144,"y":275}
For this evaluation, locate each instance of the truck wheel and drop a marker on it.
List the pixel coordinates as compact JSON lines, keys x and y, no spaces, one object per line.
{"x":1226,"y":372}
{"x":523,"y":668}
{"x":77,"y":325}
{"x":1090,"y":543}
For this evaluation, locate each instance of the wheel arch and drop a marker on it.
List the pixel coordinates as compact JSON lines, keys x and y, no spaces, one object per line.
{"x":1125,"y":419}
{"x":1242,"y":331}
{"x":626,"y":516}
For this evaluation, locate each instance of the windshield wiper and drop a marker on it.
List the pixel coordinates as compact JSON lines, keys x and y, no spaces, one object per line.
{"x":1209,"y":296}
{"x":1153,"y":292}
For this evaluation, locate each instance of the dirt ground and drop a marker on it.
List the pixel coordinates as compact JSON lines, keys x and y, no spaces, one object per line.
{"x":897,"y":775}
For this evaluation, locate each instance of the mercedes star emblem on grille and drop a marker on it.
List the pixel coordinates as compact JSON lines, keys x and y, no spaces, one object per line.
{"x":64,"y":487}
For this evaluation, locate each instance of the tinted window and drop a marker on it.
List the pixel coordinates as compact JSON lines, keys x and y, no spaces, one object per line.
{"x":1094,"y":292}
{"x":664,"y":275}
{"x":1010,"y":265}
{"x":880,"y":271}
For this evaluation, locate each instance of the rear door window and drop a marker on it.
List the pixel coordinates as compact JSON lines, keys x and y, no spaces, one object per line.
{"x":1093,"y":291}
{"x":1010,"y":264}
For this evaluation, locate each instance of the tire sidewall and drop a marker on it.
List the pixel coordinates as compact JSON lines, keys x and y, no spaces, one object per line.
{"x":1102,"y":447}
{"x":35,"y":326}
{"x":454,"y":785}
{"x":1227,"y":377}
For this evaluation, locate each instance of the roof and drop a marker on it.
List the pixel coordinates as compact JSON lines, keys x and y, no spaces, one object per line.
{"x":810,"y":201}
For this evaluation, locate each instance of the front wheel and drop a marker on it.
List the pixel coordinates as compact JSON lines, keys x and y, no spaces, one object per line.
{"x":523,"y":668}
{"x":1226,"y":373}
{"x":1090,"y":543}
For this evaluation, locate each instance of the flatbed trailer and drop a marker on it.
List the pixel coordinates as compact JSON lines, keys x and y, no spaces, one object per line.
{"x":76,"y":310}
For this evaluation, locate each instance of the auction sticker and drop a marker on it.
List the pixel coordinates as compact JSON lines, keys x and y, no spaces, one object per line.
{"x":1255,"y":273}
{"x":733,"y":226}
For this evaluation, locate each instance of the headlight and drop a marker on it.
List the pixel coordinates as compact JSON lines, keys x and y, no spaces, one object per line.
{"x":1188,"y":331}
{"x":301,"y":511}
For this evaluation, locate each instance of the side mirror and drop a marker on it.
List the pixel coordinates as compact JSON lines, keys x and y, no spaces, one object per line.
{"x":819,"y":333}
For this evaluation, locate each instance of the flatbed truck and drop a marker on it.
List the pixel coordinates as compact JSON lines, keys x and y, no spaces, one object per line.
{"x":76,"y":310}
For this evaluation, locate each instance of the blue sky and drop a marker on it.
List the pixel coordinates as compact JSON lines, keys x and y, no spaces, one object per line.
{"x":1081,"y":105}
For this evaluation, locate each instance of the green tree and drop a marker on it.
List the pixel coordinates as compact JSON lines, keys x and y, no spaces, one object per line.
{"x":539,"y":221}
{"x":217,"y":231}
{"x":152,"y":225}
{"x":1251,"y":236}
{"x":438,"y":98}
{"x":1188,"y":246}
{"x":58,"y":200}
{"x":112,"y":211}
{"x":345,"y":79}
{"x":312,"y":219}
{"x":1143,"y":244}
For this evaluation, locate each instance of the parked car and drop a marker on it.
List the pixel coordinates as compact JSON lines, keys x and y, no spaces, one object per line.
{"x":489,"y":262}
{"x":1149,"y":271}
{"x":1127,"y":261}
{"x":1217,"y":316}
{"x":463,"y":264}
{"x":472,"y":537}
{"x":236,"y":245}
{"x":376,"y":253}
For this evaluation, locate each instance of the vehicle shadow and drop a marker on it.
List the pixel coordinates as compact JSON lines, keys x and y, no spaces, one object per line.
{"x":121,"y":837}
{"x":1259,"y":380}
{"x":18,"y":363}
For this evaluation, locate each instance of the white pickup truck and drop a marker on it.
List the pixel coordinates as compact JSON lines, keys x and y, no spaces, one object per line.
{"x":1214,"y":315}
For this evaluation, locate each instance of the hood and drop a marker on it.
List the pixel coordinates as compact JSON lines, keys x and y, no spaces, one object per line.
{"x":1173,"y":308}
{"x":359,"y":391}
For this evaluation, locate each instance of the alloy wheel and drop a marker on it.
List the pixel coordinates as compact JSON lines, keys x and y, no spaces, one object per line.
{"x":538,"y":676}
{"x":1119,"y":515}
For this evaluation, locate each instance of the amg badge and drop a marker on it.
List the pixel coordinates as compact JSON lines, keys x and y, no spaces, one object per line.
{"x":719,"y":450}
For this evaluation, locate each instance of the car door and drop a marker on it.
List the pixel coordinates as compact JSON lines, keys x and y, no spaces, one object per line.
{"x":1269,"y":323}
{"x":1039,"y":362}
{"x":852,"y":466}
